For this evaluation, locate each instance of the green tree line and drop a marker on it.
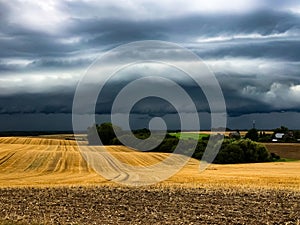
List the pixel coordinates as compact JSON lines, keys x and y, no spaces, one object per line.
{"x":231,"y":151}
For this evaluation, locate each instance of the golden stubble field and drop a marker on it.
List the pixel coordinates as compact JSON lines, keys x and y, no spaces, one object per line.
{"x":44,"y":162}
{"x":45,"y":180}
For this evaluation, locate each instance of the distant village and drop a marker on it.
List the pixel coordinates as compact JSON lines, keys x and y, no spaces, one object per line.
{"x":281,"y":134}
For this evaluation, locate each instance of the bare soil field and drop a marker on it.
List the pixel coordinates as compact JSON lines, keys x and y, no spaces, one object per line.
{"x":285,"y":150}
{"x":46,"y":181}
{"x":113,"y":205}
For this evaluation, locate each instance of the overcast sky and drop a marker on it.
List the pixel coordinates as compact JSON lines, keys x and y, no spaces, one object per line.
{"x":252,"y":46}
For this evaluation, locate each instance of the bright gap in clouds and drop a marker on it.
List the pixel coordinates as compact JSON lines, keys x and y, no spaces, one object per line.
{"x":37,"y":15}
{"x":178,"y":7}
{"x":290,"y":34}
{"x":35,"y":83}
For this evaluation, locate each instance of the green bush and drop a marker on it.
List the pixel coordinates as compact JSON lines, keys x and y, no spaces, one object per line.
{"x":243,"y":151}
{"x":232,"y":153}
{"x":237,"y":151}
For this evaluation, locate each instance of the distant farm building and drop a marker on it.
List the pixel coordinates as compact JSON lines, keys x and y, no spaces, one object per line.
{"x":278,"y":136}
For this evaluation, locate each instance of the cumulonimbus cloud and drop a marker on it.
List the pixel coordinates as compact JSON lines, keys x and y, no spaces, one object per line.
{"x":253,"y":50}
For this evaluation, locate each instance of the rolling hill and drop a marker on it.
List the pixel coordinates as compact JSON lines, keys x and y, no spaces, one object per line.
{"x":36,"y":161}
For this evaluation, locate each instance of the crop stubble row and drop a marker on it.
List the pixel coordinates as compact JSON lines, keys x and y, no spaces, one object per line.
{"x":120,"y":205}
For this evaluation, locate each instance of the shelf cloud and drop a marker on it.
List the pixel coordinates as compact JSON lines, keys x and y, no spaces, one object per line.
{"x":252,"y":46}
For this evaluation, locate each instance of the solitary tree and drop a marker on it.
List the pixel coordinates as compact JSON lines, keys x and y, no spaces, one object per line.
{"x":281,"y":129}
{"x":252,"y":134}
{"x":105,"y":132}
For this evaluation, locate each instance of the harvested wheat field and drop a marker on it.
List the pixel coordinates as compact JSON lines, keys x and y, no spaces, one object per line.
{"x":56,"y":162}
{"x":46,"y":181}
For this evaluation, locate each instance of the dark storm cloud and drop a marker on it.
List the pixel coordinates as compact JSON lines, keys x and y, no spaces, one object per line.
{"x":31,"y":45}
{"x":5,"y":67}
{"x":270,"y":49}
{"x":237,"y":101}
{"x":187,"y":28}
{"x":93,"y":32}
{"x":60,"y":63}
{"x":268,"y":36}
{"x":46,"y":103}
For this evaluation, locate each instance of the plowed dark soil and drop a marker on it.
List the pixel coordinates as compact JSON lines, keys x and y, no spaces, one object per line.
{"x":114,"y":205}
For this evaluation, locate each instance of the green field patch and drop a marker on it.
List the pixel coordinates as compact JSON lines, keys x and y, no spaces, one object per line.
{"x":189,"y":135}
